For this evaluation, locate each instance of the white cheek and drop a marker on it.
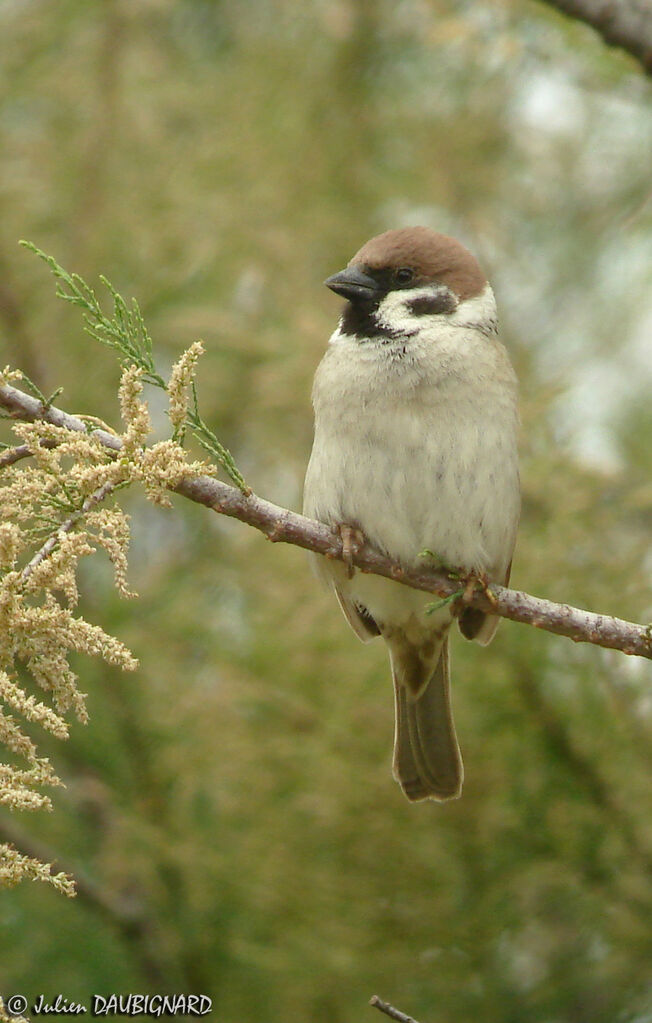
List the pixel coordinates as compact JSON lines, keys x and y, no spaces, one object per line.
{"x":477,"y":311}
{"x":394,"y":310}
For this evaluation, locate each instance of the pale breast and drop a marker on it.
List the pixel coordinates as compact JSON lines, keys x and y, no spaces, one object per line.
{"x":418,"y":452}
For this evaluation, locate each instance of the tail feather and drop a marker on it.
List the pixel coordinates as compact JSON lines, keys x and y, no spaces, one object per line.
{"x":427,"y":761}
{"x":405,"y":767}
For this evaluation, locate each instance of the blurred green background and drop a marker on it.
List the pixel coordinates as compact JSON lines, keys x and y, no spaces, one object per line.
{"x":230,"y":807}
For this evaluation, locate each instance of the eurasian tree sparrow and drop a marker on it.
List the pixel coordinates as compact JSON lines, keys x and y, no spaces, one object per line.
{"x":416,"y":447}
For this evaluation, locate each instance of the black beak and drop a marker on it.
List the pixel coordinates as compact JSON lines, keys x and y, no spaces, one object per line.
{"x":352,"y":283}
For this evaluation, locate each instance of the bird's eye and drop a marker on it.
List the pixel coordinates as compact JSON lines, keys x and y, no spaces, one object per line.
{"x":403,"y":275}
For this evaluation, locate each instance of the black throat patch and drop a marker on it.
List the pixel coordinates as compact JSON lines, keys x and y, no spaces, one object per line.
{"x":359,"y":320}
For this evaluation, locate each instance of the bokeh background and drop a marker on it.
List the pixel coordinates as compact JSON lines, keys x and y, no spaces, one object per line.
{"x":229,"y":809}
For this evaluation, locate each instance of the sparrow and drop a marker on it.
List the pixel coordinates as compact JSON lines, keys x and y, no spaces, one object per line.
{"x":415,"y":450}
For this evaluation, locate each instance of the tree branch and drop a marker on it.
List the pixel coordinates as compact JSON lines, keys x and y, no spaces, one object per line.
{"x":626,"y":24}
{"x":390,"y":1011}
{"x":127,"y":916}
{"x":95,"y":498}
{"x":282,"y":525}
{"x":11,"y":455}
{"x":586,"y":773}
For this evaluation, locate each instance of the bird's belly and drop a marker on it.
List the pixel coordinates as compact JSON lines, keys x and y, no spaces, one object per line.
{"x":453,"y":491}
{"x":455,"y":495}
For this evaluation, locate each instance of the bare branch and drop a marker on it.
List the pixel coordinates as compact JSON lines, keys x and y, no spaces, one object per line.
{"x":13,"y":455}
{"x":283,"y":525}
{"x":24,"y":406}
{"x":95,"y":498}
{"x":389,"y":1010}
{"x":126,"y":915}
{"x":623,"y":23}
{"x":585,"y":771}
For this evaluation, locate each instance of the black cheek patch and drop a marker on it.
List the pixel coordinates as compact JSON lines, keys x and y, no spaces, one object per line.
{"x":425,"y":305}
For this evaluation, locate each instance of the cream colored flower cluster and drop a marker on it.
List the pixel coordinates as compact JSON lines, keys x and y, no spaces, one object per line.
{"x":58,"y":505}
{"x":15,"y":867}
{"x":181,"y":378}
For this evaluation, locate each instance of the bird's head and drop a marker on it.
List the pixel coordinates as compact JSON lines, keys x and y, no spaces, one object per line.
{"x":403,"y":281}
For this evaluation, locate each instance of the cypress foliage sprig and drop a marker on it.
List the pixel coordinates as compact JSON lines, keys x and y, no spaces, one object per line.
{"x":126,"y":333}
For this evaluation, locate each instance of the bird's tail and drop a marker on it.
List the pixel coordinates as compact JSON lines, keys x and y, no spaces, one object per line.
{"x":427,"y":761}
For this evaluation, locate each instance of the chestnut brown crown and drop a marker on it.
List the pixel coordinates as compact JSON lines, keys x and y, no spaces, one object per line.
{"x":432,"y":257}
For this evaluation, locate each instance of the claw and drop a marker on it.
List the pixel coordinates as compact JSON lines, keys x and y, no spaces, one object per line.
{"x":352,"y":540}
{"x":477,"y":581}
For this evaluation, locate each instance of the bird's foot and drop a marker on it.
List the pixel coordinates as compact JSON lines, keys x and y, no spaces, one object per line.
{"x":352,"y":540}
{"x":474,"y":582}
